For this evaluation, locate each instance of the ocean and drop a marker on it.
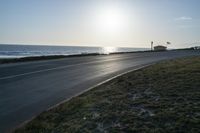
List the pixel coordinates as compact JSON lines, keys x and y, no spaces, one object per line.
{"x":18,"y":51}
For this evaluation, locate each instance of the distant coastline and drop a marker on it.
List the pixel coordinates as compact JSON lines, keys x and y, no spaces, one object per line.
{"x":23,"y":53}
{"x":51,"y":57}
{"x":20,"y":51}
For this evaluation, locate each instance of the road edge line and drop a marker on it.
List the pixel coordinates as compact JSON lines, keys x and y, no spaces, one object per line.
{"x":78,"y":94}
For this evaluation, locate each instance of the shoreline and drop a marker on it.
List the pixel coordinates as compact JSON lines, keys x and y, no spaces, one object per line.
{"x":40,"y":58}
{"x":51,"y":57}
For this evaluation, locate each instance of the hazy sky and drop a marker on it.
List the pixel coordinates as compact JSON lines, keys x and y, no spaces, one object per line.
{"x":130,"y":23}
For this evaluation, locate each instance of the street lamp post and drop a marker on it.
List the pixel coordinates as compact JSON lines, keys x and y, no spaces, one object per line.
{"x":151,"y":45}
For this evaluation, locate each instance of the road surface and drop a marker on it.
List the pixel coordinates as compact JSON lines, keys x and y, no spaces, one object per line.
{"x":27,"y":89}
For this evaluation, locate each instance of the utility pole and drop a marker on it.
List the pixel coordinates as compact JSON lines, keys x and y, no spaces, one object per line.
{"x":151,"y":45}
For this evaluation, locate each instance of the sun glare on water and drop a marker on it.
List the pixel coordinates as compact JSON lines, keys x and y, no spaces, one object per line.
{"x":108,"y":50}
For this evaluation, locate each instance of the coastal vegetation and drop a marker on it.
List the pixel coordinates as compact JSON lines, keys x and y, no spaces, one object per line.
{"x":164,"y":97}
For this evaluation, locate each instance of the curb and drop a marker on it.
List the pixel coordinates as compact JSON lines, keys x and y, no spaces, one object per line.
{"x":78,"y":94}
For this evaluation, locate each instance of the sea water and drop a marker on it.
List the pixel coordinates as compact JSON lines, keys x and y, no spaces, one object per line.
{"x":18,"y":51}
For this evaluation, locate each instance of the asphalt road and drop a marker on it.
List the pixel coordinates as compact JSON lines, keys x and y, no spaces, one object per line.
{"x":27,"y":89}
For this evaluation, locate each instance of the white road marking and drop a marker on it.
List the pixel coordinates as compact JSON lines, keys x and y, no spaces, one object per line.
{"x":62,"y":67}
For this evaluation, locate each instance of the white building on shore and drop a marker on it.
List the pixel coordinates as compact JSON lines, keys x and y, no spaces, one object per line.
{"x":160,"y":48}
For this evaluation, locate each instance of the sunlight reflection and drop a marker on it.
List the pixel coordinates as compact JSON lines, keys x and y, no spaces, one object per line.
{"x":108,"y":50}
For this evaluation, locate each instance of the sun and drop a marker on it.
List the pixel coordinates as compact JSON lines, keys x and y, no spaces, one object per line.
{"x":110,"y":20}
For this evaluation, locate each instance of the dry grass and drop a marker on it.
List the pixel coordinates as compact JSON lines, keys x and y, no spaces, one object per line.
{"x":161,"y":98}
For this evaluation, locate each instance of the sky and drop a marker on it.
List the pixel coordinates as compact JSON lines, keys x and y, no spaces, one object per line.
{"x":116,"y":23}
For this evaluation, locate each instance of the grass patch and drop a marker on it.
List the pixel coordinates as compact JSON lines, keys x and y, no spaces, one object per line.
{"x":160,"y":98}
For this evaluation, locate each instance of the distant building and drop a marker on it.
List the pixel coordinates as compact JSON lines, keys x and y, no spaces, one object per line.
{"x":196,"y":48}
{"x":160,"y":48}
